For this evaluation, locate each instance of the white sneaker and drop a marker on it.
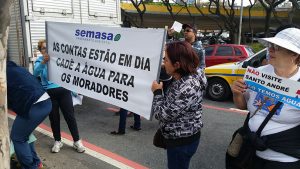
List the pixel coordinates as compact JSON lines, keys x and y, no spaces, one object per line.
{"x":78,"y":146}
{"x":56,"y":147}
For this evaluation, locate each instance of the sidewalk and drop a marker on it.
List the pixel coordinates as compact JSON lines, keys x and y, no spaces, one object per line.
{"x":67,"y":158}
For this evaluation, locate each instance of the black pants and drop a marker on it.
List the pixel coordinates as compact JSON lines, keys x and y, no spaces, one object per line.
{"x":61,"y":98}
{"x":260,"y":163}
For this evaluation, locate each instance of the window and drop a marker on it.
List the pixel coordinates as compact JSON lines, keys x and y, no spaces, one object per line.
{"x":224,"y":51}
{"x":249,"y":51}
{"x":60,"y":7}
{"x":209,"y":51}
{"x":237,"y":51}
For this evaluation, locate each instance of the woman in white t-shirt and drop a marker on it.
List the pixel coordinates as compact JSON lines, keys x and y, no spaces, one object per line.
{"x":284,"y":62}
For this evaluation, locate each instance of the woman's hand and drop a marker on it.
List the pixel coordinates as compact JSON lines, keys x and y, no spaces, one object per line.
{"x":156,"y":85}
{"x":45,"y":58}
{"x":171,"y":32}
{"x":238,"y":87}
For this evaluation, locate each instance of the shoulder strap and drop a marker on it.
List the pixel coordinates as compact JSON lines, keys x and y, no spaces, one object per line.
{"x":269,"y":116}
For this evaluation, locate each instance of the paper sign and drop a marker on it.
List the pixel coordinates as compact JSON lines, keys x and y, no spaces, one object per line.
{"x":111,"y":64}
{"x":272,"y":86}
{"x":177,"y":26}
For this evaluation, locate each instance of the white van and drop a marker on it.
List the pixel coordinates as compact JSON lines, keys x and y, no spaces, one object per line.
{"x":28,"y":18}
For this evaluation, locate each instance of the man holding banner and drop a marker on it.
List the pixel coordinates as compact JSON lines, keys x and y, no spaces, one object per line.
{"x":262,"y":88}
{"x":190,"y":36}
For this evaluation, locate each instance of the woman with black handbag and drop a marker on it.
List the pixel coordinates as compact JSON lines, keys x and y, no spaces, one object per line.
{"x":280,"y":135}
{"x":179,"y":111}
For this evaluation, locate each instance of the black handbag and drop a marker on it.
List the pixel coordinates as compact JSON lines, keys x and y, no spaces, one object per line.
{"x":159,"y":140}
{"x":242,"y":148}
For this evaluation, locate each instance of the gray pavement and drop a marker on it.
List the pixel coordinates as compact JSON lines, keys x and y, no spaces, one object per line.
{"x":67,"y":158}
{"x":95,"y":122}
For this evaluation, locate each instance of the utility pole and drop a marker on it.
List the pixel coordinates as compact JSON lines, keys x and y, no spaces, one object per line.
{"x":241,"y":23}
{"x":4,"y":132}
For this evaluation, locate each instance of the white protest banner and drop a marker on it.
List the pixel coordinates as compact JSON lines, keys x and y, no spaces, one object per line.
{"x":281,"y":89}
{"x":111,"y":64}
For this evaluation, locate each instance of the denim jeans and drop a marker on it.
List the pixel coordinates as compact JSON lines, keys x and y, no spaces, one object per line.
{"x":179,"y":157}
{"x":23,"y":127}
{"x":123,"y":117}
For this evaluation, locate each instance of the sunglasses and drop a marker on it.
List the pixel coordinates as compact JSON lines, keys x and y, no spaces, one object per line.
{"x":188,"y":30}
{"x":273,"y":46}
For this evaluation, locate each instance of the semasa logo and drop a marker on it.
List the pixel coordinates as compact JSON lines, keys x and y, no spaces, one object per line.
{"x":97,"y":35}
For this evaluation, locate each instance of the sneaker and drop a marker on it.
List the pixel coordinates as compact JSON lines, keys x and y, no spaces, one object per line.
{"x":56,"y":147}
{"x":78,"y":146}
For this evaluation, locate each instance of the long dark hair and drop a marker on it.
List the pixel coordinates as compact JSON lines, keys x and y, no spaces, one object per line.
{"x":183,"y":53}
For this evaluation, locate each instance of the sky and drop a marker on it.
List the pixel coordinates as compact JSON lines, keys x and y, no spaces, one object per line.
{"x":245,"y":2}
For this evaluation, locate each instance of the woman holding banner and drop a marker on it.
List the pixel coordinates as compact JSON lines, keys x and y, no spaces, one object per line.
{"x":284,"y":125}
{"x":179,"y":111}
{"x":61,"y":98}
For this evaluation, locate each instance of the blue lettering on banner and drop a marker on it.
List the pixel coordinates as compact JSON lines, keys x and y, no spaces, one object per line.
{"x":96,"y":35}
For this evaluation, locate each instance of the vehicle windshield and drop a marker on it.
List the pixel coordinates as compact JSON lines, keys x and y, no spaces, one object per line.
{"x":253,"y":55}
{"x":249,"y":51}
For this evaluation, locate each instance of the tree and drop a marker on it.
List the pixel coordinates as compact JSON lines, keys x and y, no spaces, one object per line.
{"x":252,"y":4}
{"x":141,"y":9}
{"x":4,"y":134}
{"x":296,"y":6}
{"x":269,"y":6}
{"x":182,"y":3}
{"x":201,"y":12}
{"x":230,"y":23}
{"x":169,"y":8}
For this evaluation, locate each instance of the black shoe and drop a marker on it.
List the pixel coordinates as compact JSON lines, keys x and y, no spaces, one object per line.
{"x":117,"y":133}
{"x":135,"y":128}
{"x":14,"y":164}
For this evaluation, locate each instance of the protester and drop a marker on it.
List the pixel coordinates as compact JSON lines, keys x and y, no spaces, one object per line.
{"x":122,"y":122}
{"x":190,"y":36}
{"x":280,"y":28}
{"x":179,"y":111}
{"x":61,"y":98}
{"x":284,"y":62}
{"x":27,"y":98}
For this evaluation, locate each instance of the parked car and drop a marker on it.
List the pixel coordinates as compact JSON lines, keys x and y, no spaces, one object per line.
{"x":220,"y":77}
{"x":225,"y":53}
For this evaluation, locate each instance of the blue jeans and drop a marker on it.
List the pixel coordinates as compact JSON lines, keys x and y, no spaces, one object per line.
{"x":123,"y":117}
{"x":180,"y":157}
{"x":23,"y":127}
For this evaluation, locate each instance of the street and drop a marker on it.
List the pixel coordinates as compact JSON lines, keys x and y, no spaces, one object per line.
{"x":135,"y":149}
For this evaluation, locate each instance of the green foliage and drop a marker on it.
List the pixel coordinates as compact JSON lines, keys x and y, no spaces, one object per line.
{"x":256,"y":46}
{"x":178,"y":35}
